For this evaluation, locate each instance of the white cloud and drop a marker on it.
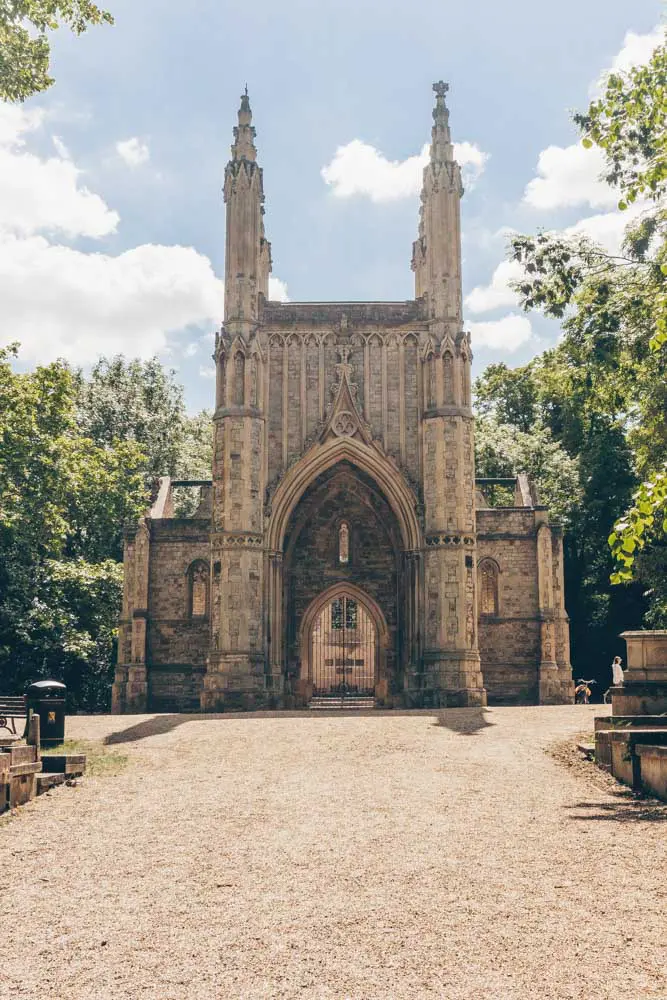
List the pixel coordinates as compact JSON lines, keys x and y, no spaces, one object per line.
{"x":506,"y":334}
{"x":59,"y":302}
{"x":484,"y":298}
{"x":44,"y":195}
{"x":568,"y":176}
{"x":360,"y":169}
{"x":635,"y":51}
{"x":60,"y":148}
{"x":571,"y":175}
{"x":472,"y":161}
{"x":607,"y":228}
{"x":278,"y":290}
{"x":207,"y":372}
{"x":133,"y":151}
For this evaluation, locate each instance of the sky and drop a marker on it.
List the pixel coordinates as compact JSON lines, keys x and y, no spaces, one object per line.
{"x":111,"y":211}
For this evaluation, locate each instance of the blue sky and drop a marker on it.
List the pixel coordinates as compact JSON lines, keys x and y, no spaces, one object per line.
{"x":112,"y":221}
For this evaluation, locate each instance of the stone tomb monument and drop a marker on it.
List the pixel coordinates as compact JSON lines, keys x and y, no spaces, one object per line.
{"x":343,"y":546}
{"x":644,"y":688}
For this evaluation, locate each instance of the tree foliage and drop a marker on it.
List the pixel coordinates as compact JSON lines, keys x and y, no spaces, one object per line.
{"x":78,"y":458}
{"x":577,"y":454}
{"x":64,"y":499}
{"x":24,"y":40}
{"x":614,"y":307}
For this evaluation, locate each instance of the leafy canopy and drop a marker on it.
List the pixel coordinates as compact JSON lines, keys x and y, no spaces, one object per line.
{"x":24,"y":42}
{"x":614,"y":307}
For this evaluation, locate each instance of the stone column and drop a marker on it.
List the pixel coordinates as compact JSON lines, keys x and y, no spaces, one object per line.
{"x":235,"y":676}
{"x":130,"y":688}
{"x":554,"y":680}
{"x":452,"y":673}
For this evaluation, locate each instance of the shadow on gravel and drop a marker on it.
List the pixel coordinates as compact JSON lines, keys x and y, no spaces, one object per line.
{"x":149,"y":727}
{"x":465,"y":721}
{"x":632,"y":811}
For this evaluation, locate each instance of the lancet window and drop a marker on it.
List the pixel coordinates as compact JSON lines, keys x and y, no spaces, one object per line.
{"x":344,"y":614}
{"x":198,"y":584}
{"x":487,"y":576}
{"x":344,"y":544}
{"x":448,"y":373}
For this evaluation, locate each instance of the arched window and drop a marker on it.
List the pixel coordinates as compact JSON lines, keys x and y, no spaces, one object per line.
{"x":344,"y":544}
{"x":198,"y":583}
{"x":487,"y":577}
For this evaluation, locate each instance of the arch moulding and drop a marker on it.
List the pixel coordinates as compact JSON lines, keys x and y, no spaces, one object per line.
{"x":366,"y":458}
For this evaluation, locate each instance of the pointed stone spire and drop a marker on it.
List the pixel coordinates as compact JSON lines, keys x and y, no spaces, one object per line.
{"x":436,"y":255}
{"x":244,"y":133}
{"x":441,"y":141}
{"x":247,"y":251}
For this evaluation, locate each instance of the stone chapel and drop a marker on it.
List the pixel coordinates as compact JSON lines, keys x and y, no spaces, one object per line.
{"x":343,"y":548}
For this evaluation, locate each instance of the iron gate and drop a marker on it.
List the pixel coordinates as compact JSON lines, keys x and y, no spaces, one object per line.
{"x":343,"y":652}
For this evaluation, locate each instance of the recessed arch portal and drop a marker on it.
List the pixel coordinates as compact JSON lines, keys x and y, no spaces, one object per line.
{"x":344,"y":639}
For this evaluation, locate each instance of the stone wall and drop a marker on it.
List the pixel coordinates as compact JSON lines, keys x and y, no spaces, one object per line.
{"x":177,"y":644}
{"x":301,"y":365}
{"x":509,"y":642}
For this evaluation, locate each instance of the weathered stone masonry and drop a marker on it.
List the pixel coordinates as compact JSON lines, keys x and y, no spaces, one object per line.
{"x":357,"y":412}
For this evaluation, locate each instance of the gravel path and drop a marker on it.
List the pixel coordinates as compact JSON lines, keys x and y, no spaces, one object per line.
{"x":382,"y":856}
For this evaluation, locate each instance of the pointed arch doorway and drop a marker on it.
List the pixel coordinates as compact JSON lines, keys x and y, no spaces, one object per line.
{"x":343,"y":644}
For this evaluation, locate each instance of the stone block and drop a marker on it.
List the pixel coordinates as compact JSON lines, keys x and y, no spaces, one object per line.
{"x":45,"y":782}
{"x":639,"y":698}
{"x":625,"y":763}
{"x":653,"y":770}
{"x":72,"y":765}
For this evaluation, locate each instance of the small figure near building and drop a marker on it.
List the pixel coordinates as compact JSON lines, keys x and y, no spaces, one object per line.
{"x":616,"y":671}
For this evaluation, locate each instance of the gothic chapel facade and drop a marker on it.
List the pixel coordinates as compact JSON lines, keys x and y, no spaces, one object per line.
{"x":343,"y":548}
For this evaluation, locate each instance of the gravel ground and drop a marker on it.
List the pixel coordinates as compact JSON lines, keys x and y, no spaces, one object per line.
{"x":460,"y":855}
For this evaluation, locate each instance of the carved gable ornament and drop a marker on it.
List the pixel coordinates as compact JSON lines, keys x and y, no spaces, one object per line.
{"x":344,"y":419}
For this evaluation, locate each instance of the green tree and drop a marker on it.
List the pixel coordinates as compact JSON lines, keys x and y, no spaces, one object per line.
{"x":63,"y":501}
{"x":24,"y":40}
{"x":616,"y":305}
{"x":505,"y":449}
{"x":577,"y":454}
{"x":137,"y":401}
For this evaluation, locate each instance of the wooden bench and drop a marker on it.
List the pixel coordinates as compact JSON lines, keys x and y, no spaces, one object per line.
{"x":12,"y":707}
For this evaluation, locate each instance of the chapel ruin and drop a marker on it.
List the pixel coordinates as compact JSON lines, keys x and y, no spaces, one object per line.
{"x":343,"y":548}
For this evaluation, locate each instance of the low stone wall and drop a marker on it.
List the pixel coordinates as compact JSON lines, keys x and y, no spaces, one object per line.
{"x":653,"y":770}
{"x":626,"y":751}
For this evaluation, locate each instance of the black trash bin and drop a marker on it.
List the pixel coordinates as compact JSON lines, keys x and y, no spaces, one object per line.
{"x":47,"y":700}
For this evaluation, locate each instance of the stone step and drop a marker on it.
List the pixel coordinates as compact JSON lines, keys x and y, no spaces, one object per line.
{"x":48,"y":780}
{"x":337,"y":704}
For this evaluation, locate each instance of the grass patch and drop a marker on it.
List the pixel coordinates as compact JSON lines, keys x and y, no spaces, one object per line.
{"x":100,"y":762}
